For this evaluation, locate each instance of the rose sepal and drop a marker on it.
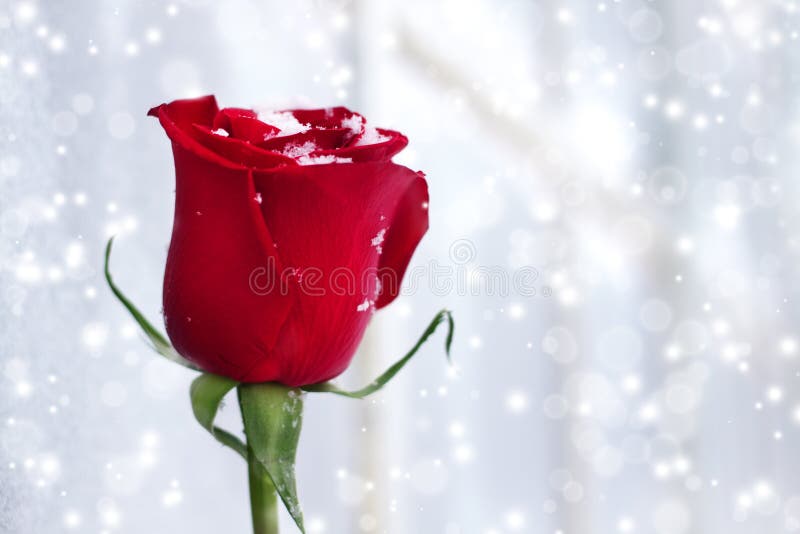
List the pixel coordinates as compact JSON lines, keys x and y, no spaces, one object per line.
{"x":386,"y":376}
{"x":157,"y":340}
{"x":207,"y":393}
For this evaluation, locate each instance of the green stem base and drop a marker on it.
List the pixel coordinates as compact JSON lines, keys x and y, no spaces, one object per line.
{"x":263,"y":498}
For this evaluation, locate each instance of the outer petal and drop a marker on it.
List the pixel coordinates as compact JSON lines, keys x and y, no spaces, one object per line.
{"x":409,"y":224}
{"x":216,"y":308}
{"x":189,"y":111}
{"x":189,"y":122}
{"x":178,"y":117}
{"x":329,"y":219}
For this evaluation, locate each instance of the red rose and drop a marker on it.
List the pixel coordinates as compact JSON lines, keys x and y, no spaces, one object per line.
{"x":290,"y":229}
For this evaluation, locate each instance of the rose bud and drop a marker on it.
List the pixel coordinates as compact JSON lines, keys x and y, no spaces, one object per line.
{"x":290,"y":229}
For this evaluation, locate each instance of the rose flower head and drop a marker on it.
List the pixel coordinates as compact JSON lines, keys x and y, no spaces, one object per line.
{"x":291,"y":228}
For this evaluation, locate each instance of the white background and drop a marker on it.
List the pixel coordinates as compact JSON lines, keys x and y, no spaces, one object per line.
{"x":640,"y":155}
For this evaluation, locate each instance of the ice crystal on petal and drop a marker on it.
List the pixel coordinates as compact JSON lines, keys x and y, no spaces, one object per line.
{"x":378,"y":240}
{"x":322,"y":159}
{"x":354,"y":123}
{"x":296,"y":151}
{"x":284,"y":121}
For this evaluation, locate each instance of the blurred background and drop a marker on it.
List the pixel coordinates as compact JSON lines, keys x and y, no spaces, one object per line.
{"x":634,"y":158}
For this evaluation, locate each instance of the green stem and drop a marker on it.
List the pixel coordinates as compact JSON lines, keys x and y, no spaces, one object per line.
{"x":272,"y":415}
{"x":263,"y":499}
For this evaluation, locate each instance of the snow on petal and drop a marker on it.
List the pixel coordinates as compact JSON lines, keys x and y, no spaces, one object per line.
{"x":371,"y":136}
{"x":322,"y":159}
{"x":354,"y":123}
{"x":283,"y":120}
{"x":296,"y":151}
{"x":364,"y":306}
{"x":378,"y":240}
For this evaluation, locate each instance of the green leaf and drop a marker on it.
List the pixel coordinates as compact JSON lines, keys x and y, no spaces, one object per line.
{"x":273,"y":415}
{"x":378,"y":383}
{"x":157,"y":339}
{"x":207,"y":392}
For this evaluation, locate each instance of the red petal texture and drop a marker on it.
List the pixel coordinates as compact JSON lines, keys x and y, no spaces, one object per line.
{"x":273,"y":267}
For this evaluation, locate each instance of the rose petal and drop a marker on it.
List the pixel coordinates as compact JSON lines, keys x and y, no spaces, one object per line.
{"x":224,"y":116}
{"x":177,"y":119}
{"x":220,"y":260}
{"x":240,"y":152}
{"x":377,"y":152}
{"x":243,"y":124}
{"x":329,"y":219}
{"x":189,"y":111}
{"x":409,"y":224}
